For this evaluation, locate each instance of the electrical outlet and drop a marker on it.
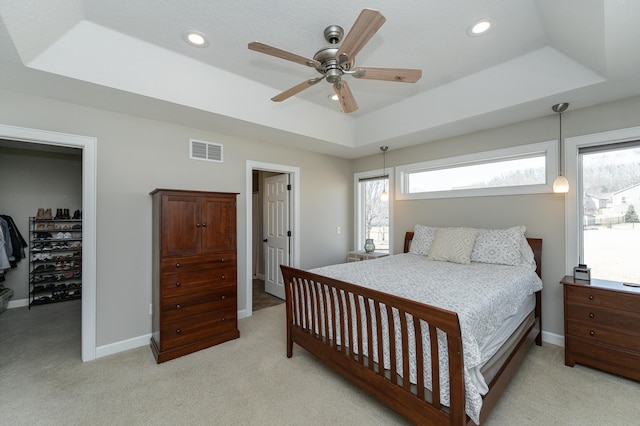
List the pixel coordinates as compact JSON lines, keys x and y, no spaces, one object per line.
{"x":150,"y":308}
{"x":339,"y":230}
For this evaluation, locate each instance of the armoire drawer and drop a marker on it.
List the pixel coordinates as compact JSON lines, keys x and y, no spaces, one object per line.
{"x":196,"y":328}
{"x":220,"y":298}
{"x":182,"y":283}
{"x":604,"y":317}
{"x":597,"y":333}
{"x":196,"y":263}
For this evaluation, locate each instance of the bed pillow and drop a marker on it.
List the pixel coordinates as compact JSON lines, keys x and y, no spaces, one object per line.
{"x":526,"y":254}
{"x":422,"y":239}
{"x":453,"y":245}
{"x":499,"y":246}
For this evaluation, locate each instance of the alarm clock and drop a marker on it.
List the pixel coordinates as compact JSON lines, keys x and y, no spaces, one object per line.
{"x":582,"y":272}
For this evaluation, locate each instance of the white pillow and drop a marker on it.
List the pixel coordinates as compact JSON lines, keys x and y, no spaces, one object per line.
{"x":422,"y":239}
{"x":453,"y":245}
{"x":499,"y":246}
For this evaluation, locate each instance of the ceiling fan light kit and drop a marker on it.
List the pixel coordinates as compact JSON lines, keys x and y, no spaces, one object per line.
{"x":336,"y":60}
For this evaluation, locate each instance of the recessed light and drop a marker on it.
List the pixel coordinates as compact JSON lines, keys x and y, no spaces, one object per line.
{"x":481,"y":27}
{"x":333,"y":97}
{"x":195,"y":38}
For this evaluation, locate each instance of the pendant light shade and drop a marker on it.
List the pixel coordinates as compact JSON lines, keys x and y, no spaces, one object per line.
{"x":384,"y":196}
{"x":561,"y":184}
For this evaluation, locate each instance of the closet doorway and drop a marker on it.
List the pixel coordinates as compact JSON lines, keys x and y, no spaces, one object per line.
{"x":20,"y":135}
{"x":256,"y":272}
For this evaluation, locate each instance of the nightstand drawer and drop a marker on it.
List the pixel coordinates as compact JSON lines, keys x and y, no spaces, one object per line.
{"x":595,"y":333}
{"x":603,"y":317}
{"x":608,"y":299}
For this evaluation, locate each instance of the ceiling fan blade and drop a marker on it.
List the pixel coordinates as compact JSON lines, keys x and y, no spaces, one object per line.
{"x":296,"y":89}
{"x":274,"y":51}
{"x":404,"y":75}
{"x":347,"y":101}
{"x":360,"y":33}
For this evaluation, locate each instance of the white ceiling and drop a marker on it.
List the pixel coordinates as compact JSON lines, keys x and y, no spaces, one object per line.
{"x":129,"y":56}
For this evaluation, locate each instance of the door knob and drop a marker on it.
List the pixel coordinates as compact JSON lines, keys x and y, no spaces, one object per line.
{"x":265,"y":240}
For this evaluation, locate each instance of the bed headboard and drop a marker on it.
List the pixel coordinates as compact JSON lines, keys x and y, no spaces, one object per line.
{"x":535,"y":243}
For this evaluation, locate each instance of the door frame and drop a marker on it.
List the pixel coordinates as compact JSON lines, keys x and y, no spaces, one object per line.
{"x":89,"y":161}
{"x":294,"y":173}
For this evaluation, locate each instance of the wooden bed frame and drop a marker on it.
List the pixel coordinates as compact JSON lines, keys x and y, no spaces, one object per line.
{"x":306,"y":293}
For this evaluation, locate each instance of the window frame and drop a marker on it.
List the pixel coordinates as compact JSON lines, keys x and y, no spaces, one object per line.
{"x":548,"y":148}
{"x":573,"y":222}
{"x":358,"y":237}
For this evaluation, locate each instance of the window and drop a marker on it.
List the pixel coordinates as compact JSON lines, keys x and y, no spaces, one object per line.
{"x":608,"y":182}
{"x":519,"y":170}
{"x":372,"y":213}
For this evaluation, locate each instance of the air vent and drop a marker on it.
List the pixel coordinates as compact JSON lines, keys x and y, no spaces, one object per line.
{"x":208,"y":151}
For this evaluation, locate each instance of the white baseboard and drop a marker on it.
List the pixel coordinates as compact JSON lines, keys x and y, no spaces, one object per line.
{"x":19,"y":303}
{"x":124,"y":345}
{"x":552,"y":338}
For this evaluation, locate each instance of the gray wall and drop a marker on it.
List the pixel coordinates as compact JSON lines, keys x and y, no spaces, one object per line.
{"x":30,"y":180}
{"x":136,"y":155}
{"x":542,"y":214}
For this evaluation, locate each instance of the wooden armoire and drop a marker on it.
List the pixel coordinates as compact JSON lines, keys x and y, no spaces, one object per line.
{"x":194,"y":271}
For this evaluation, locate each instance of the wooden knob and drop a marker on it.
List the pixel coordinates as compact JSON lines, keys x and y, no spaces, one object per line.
{"x":222,"y":277}
{"x":591,"y":297}
{"x":223,"y":297}
{"x":591,"y":315}
{"x":178,"y":306}
{"x":178,"y":265}
{"x":178,"y":284}
{"x":592,"y":333}
{"x":204,"y":225}
{"x":223,"y":319}
{"x":197,"y":225}
{"x":178,"y":331}
{"x":221,"y":260}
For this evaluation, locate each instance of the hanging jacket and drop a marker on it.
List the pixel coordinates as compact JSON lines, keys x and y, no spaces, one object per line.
{"x":18,"y":243}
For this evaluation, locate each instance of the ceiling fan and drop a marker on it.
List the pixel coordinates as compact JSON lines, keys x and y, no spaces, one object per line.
{"x":335,"y":61}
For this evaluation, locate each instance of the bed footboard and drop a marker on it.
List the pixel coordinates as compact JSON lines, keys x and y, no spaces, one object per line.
{"x":320,"y":311}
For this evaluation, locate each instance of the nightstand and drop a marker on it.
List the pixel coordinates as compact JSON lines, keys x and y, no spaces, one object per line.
{"x":359,"y":255}
{"x":602,"y":326}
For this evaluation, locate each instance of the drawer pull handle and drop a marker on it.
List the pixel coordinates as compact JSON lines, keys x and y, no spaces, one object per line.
{"x":591,"y":315}
{"x":197,"y":225}
{"x":223,"y":319}
{"x":591,"y":297}
{"x":222,"y":260}
{"x":223,"y":297}
{"x":178,"y":284}
{"x":178,"y":265}
{"x":222,"y":277}
{"x":592,"y":333}
{"x":204,"y":225}
{"x":178,"y":331}
{"x":178,"y":306}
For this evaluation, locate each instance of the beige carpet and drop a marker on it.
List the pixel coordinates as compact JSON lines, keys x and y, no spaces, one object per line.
{"x":250,"y":381}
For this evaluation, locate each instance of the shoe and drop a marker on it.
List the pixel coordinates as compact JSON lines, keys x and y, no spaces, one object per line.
{"x":40,"y":214}
{"x":58,"y":214}
{"x":77,"y":214}
{"x":65,"y":213}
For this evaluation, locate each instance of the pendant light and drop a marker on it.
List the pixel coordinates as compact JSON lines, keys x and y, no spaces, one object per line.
{"x":561,"y":184}
{"x":384,"y":196}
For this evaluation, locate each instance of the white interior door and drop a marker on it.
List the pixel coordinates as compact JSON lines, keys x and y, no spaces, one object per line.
{"x":276,"y":227}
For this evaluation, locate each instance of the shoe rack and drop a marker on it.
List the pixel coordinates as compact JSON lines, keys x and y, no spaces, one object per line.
{"x":55,"y":257}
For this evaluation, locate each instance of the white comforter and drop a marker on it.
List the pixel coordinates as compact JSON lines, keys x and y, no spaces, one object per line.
{"x":483,"y":296}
